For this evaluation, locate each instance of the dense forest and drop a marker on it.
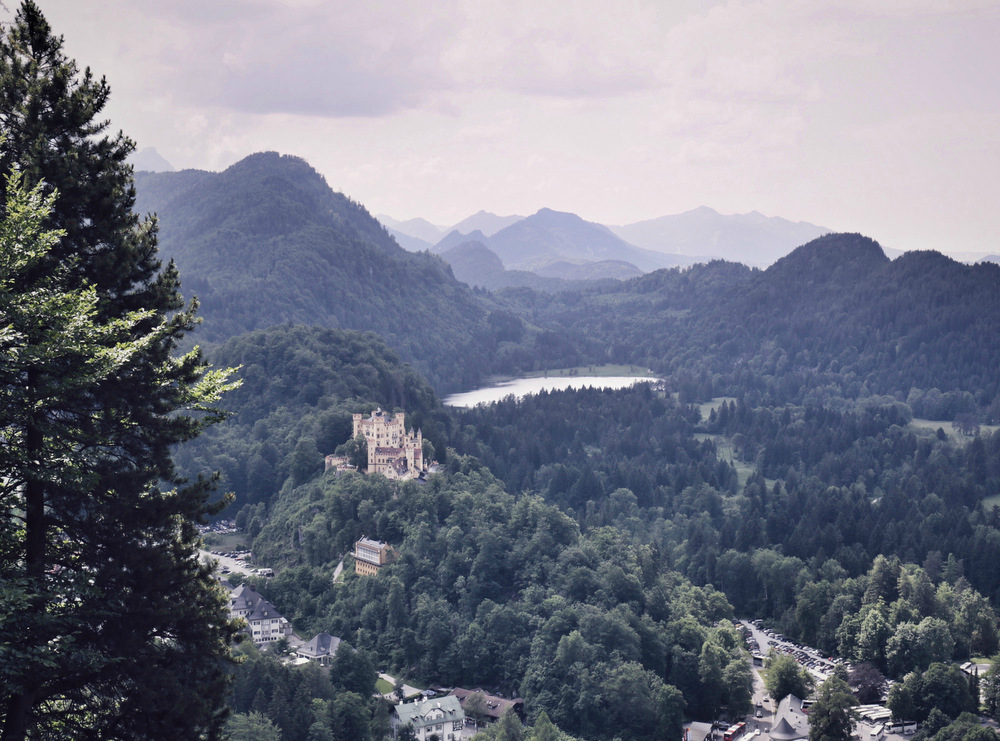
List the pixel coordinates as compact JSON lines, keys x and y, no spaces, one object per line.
{"x":847,"y":526}
{"x":835,"y":319}
{"x":266,"y":242}
{"x":581,"y":544}
{"x":503,"y":591}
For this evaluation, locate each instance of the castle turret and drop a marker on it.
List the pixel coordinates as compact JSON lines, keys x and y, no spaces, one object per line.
{"x":392,"y":449}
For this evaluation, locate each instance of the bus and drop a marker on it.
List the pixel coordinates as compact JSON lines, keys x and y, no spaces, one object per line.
{"x":734,"y":732}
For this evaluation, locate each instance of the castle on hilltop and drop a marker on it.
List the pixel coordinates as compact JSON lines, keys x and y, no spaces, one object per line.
{"x":393,"y":451}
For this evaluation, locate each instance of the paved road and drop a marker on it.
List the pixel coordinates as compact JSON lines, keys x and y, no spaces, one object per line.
{"x":337,"y":571}
{"x":410,"y":691}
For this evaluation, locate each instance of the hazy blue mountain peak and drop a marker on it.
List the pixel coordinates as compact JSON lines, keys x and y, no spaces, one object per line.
{"x":149,"y":160}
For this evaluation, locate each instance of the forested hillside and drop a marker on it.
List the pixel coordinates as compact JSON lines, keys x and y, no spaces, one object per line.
{"x":584,"y":545}
{"x":505,"y":591}
{"x":834,"y":319}
{"x":300,"y":387}
{"x":573,"y":584}
{"x":267,"y":242}
{"x":823,"y":488}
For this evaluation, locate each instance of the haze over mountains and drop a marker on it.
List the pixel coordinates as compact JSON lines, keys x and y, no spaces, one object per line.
{"x":548,"y":237}
{"x":752,"y":239}
{"x":267,"y":242}
{"x":698,"y":235}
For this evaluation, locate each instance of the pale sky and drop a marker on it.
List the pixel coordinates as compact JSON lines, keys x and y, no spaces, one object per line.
{"x":872,"y":116}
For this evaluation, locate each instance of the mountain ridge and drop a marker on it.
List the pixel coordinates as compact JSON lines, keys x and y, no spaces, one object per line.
{"x":698,"y":235}
{"x":268,"y":242}
{"x":550,"y":236}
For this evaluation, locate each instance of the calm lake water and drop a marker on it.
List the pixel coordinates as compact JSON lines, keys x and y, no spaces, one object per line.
{"x":521,"y":387}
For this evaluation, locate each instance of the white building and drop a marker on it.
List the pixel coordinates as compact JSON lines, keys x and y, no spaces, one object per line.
{"x":441,"y":719}
{"x":264,"y":623}
{"x":370,"y":555}
{"x":320,"y":649}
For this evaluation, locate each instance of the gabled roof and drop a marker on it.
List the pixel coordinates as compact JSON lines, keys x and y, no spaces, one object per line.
{"x":792,"y":722}
{"x":263,"y":610}
{"x":425,"y":712}
{"x":245,"y":598}
{"x":494,"y":706}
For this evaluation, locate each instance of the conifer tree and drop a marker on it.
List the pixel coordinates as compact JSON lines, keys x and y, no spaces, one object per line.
{"x":110,"y":627}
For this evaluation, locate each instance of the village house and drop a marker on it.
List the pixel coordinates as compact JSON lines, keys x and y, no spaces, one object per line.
{"x":264,"y":623}
{"x":432,"y":720}
{"x":320,"y":649}
{"x":371,"y":555}
{"x":492,"y":707}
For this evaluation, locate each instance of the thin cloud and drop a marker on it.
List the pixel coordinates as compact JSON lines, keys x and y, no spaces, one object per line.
{"x":838,"y":112}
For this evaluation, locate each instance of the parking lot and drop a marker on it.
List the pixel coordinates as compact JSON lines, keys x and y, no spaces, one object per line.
{"x":873,"y":722}
{"x":818,"y":665}
{"x":229,"y":562}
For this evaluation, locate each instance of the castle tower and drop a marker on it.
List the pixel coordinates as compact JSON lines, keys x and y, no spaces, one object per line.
{"x":392,"y":449}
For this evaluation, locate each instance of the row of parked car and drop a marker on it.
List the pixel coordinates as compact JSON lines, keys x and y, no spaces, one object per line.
{"x":809,"y":657}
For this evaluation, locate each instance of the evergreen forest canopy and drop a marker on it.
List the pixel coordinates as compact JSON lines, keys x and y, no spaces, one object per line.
{"x":587,"y":550}
{"x":807,"y":496}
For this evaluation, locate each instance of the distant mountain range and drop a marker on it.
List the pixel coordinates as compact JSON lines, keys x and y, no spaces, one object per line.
{"x":474,"y":263}
{"x":549,"y":243}
{"x":267,"y":242}
{"x":550,"y":237}
{"x":556,"y":244}
{"x":430,"y":234}
{"x":752,"y":239}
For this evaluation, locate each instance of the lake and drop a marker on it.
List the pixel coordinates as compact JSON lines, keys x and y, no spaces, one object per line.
{"x":521,"y":387}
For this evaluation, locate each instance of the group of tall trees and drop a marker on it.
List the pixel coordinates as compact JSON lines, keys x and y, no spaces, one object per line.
{"x":109,"y":626}
{"x":505,"y":591}
{"x":638,"y":463}
{"x":310,"y":703}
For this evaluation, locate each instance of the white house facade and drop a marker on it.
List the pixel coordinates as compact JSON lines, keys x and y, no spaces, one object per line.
{"x":264,"y":623}
{"x":432,"y":720}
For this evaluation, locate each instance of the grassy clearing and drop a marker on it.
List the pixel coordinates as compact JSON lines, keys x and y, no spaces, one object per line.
{"x":225,"y":541}
{"x":383,"y":687}
{"x":713,"y":406}
{"x":723,"y":447}
{"x":724,"y":451}
{"x":956,"y":437}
